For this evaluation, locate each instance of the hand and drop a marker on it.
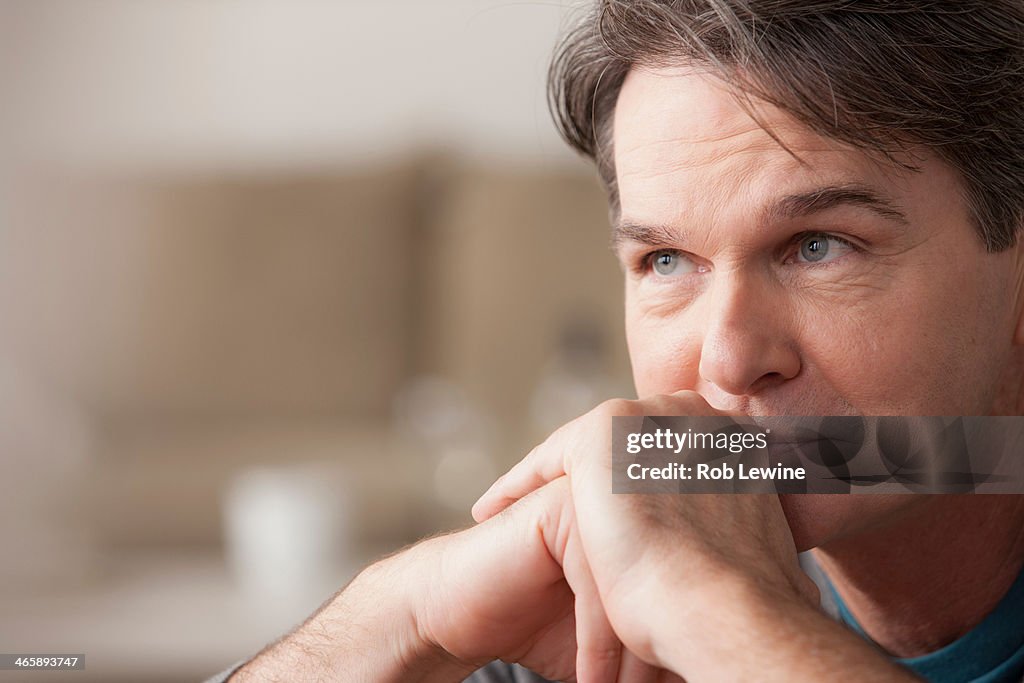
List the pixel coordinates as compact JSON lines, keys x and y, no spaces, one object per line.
{"x":517,"y":587}
{"x":503,"y":589}
{"x":649,"y":551}
{"x":498,"y":591}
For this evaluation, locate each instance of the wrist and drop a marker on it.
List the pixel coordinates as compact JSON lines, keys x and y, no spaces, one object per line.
{"x":729,"y":623}
{"x":739,"y":628}
{"x":368,"y":632}
{"x":410,"y":576}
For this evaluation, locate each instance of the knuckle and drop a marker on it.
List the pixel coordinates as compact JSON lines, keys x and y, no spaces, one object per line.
{"x":534,"y":452}
{"x":681,"y":401}
{"x":617,"y":407}
{"x":603,"y":653}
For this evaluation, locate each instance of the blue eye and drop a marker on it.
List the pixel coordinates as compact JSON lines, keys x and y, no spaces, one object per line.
{"x":819,"y":248}
{"x":665,"y":262}
{"x":669,"y":263}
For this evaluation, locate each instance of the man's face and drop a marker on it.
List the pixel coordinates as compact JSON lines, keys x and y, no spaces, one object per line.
{"x":832,"y":284}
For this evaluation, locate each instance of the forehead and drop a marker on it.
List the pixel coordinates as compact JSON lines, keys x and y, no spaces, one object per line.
{"x":683,"y":144}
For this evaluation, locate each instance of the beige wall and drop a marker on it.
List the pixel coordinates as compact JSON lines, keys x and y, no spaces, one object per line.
{"x":271,"y":82}
{"x":190,"y":297}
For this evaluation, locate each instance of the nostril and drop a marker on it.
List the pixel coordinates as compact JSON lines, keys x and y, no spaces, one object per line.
{"x":766,"y":381}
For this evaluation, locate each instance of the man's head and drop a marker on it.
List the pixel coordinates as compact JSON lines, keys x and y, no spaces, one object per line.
{"x":816,"y":204}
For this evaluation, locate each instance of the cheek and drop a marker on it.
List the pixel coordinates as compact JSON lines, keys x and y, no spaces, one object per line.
{"x":665,"y":353}
{"x":844,"y":350}
{"x":924,"y":352}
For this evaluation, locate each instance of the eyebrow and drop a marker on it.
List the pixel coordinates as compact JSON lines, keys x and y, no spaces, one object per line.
{"x":651,"y":235}
{"x":830,"y":197}
{"x":791,"y":206}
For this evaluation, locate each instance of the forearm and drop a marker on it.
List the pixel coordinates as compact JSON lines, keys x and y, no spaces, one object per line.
{"x":367,"y":632}
{"x":746,"y":633}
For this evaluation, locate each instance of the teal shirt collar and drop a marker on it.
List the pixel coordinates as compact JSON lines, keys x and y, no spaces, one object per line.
{"x":991,"y":652}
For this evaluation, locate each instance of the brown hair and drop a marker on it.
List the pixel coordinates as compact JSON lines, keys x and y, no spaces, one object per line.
{"x":879,"y":74}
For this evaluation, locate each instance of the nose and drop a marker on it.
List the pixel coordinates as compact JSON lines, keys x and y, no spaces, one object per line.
{"x":747,"y":345}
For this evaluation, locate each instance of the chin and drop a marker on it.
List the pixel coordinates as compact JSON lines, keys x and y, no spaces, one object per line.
{"x":816,"y":520}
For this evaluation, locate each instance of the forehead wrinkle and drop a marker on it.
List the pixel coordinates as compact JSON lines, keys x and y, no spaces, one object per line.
{"x":717,"y":128}
{"x":687,"y":141}
{"x":682,"y":152}
{"x":683,"y":158}
{"x":708,"y":190}
{"x":745,"y":179}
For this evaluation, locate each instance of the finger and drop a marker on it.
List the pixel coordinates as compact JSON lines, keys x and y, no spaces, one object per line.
{"x":598,"y":649}
{"x":635,"y":670}
{"x":547,"y":461}
{"x":691,"y":403}
{"x":541,"y":465}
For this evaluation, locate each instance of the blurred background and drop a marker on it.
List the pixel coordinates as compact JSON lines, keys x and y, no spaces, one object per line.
{"x":284,"y":284}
